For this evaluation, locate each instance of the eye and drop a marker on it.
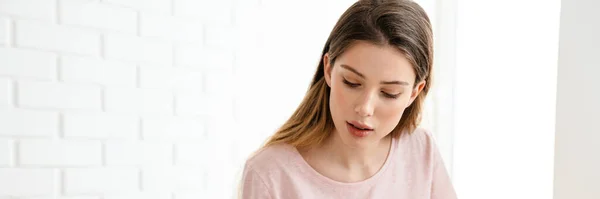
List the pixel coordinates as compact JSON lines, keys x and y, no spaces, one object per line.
{"x":391,"y":96}
{"x":350,"y":83}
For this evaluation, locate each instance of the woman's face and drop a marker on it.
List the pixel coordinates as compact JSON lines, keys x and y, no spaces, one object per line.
{"x":370,"y":88}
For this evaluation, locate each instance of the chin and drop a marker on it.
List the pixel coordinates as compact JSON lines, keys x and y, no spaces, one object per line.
{"x":357,"y":142}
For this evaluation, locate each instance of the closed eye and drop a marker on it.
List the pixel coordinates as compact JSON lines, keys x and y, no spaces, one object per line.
{"x":387,"y":95}
{"x":392,"y":96}
{"x":350,"y":83}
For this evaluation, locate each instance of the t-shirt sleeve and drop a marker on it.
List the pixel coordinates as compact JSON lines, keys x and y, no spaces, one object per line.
{"x":441,"y":187}
{"x":253,"y":186}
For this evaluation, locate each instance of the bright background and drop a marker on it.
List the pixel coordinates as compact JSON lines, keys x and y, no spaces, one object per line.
{"x":164,"y":99}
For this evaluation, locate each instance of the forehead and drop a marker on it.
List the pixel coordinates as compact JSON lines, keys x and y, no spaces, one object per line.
{"x":377,"y":62}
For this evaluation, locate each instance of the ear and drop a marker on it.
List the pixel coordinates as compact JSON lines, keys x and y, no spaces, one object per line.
{"x":415,"y":92}
{"x":327,"y":69}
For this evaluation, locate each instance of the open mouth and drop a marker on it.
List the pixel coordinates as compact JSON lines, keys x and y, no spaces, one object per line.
{"x":359,"y":126}
{"x":358,"y":130}
{"x":368,"y":129}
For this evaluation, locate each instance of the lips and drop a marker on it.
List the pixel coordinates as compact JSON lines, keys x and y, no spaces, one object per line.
{"x":358,"y":130}
{"x":360,"y":125}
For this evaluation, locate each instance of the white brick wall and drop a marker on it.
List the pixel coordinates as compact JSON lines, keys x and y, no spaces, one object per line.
{"x":174,"y":179}
{"x":18,"y":122}
{"x":23,"y":63}
{"x":146,"y":6}
{"x":58,"y":95}
{"x":56,"y":38}
{"x":169,"y":27}
{"x":92,"y":70}
{"x":142,"y":101}
{"x":69,"y":197}
{"x":43,"y":10}
{"x":209,"y":12}
{"x":145,"y":195}
{"x":100,"y":125}
{"x":136,"y":153}
{"x":31,"y":182}
{"x":100,"y":180}
{"x":5,"y":93}
{"x":4,"y":23}
{"x":135,"y":49}
{"x":172,"y":128}
{"x":134,"y":99}
{"x":6,"y":149}
{"x":59,"y":153}
{"x":96,"y":15}
{"x":179,"y":79}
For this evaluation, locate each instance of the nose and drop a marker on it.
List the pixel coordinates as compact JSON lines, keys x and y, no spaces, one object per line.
{"x":365,"y":105}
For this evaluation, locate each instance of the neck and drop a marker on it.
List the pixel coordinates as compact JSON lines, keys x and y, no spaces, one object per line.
{"x":370,"y":157}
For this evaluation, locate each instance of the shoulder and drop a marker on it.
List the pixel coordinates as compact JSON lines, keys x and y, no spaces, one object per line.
{"x":258,"y":179}
{"x":418,"y":147}
{"x":271,"y":159}
{"x":420,"y":138}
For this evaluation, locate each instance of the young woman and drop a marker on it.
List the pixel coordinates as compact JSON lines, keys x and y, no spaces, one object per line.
{"x":356,"y":134}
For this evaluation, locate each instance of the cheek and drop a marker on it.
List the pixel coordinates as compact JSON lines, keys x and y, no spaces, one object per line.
{"x":390,"y":116}
{"x":338,"y":96}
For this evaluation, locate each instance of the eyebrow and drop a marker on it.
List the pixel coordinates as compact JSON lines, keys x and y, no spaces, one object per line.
{"x":363,"y":76}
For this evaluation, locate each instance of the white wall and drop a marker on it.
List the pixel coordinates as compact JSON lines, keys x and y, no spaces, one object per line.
{"x":147,"y":99}
{"x":113,"y":99}
{"x":577,"y":150}
{"x":506,"y":54}
{"x":441,"y":101}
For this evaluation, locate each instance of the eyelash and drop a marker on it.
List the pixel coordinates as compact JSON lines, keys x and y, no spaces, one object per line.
{"x":353,"y":85}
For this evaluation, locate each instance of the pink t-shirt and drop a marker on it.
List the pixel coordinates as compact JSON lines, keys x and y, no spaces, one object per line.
{"x":414,"y":169}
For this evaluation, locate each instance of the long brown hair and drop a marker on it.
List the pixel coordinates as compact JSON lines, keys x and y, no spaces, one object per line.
{"x":399,"y":23}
